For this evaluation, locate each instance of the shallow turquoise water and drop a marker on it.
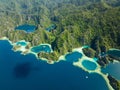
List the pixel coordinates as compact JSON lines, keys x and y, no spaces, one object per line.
{"x":89,"y":65}
{"x":73,"y":57}
{"x":21,"y":43}
{"x":25,"y":72}
{"x":95,"y":59}
{"x":86,"y":46}
{"x":41,"y":48}
{"x":27,"y":28}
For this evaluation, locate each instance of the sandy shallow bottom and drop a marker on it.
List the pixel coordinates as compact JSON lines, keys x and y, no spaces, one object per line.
{"x":77,"y":64}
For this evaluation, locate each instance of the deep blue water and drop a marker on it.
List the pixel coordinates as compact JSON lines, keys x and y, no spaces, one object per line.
{"x":27,"y":28}
{"x":89,"y":65}
{"x":19,"y":72}
{"x":41,"y":48}
{"x":113,"y":69}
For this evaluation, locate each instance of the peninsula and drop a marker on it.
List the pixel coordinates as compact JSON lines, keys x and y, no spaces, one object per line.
{"x":53,"y":30}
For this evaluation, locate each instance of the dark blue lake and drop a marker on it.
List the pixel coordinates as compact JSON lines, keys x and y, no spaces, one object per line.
{"x":27,"y":28}
{"x":19,"y":72}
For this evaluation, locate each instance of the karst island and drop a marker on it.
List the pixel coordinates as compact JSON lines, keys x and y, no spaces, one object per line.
{"x":84,"y":33}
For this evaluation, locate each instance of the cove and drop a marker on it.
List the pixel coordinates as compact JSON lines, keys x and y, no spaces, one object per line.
{"x":114,"y":53}
{"x":89,"y":65}
{"x":73,"y":57}
{"x":25,"y":72}
{"x":112,"y":69}
{"x":27,"y":28}
{"x":42,"y":48}
{"x":21,"y":43}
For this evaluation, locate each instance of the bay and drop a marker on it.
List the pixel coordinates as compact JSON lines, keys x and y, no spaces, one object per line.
{"x":25,"y":72}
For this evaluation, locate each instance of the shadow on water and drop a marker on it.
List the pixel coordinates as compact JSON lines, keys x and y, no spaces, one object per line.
{"x":23,"y":70}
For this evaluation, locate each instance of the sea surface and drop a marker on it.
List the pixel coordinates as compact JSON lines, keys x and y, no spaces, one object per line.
{"x":25,"y":72}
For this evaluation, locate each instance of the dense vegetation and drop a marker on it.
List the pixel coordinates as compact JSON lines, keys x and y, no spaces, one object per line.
{"x":114,"y":83}
{"x":79,"y":22}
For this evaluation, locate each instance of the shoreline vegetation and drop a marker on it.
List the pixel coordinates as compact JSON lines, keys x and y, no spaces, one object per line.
{"x":62,"y":29}
{"x":65,"y":25}
{"x":78,"y":63}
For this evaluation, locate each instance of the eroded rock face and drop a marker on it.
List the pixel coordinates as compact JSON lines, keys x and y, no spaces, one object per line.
{"x":114,"y":83}
{"x":114,"y":54}
{"x":89,"y":52}
{"x":72,"y":30}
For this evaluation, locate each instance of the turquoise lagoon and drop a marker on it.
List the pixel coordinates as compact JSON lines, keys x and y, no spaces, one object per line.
{"x":89,"y":65}
{"x":21,"y":43}
{"x":25,"y":72}
{"x":95,"y":59}
{"x":42,"y":48}
{"x":27,"y":28}
{"x":73,"y":57}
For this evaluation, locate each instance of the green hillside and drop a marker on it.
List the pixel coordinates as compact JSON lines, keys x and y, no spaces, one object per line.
{"x":79,"y":22}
